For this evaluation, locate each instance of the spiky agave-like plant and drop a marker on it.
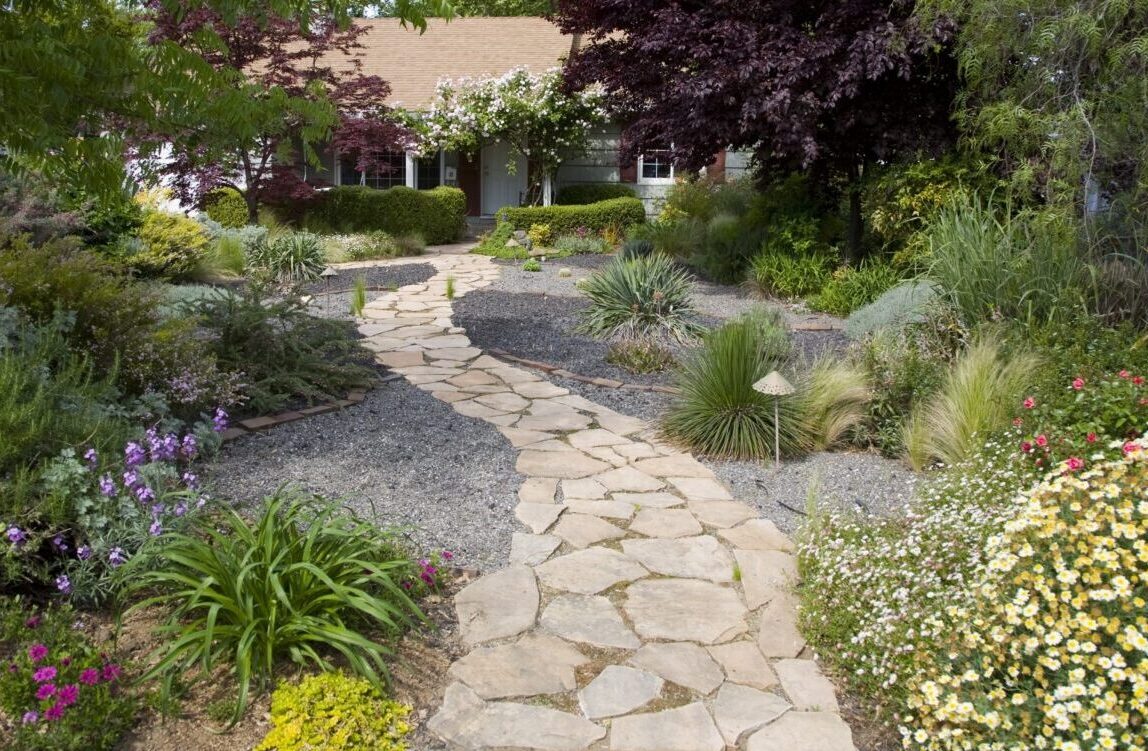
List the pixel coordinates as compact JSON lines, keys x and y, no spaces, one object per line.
{"x":640,"y":298}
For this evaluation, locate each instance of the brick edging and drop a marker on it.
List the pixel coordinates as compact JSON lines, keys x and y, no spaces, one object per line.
{"x":608,"y":383}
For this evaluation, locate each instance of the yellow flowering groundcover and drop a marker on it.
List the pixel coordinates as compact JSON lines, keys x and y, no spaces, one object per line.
{"x":1053,"y":650}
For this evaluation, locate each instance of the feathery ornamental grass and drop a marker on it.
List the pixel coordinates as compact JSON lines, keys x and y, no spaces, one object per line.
{"x":640,"y":298}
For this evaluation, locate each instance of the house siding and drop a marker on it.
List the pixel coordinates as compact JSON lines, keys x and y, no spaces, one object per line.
{"x":600,"y":165}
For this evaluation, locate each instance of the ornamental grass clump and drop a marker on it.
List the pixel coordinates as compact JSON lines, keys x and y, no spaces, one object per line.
{"x":1052,"y":650}
{"x":640,"y":298}
{"x":301,"y":583}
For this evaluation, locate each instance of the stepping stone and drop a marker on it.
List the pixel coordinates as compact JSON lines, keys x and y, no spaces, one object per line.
{"x":628,"y":479}
{"x":606,"y":454}
{"x":460,"y":354}
{"x":473,"y":378}
{"x":688,"y":728}
{"x":486,"y":362}
{"x":655,"y":522}
{"x":739,"y":710}
{"x":701,"y":488}
{"x":532,"y":549}
{"x":608,"y":509}
{"x":805,"y":686}
{"x":721,"y":513}
{"x":504,"y":402}
{"x":589,"y":619}
{"x":538,"y":516}
{"x":650,"y":500}
{"x":551,"y":445}
{"x":804,"y":731}
{"x":497,"y":605}
{"x":620,"y":424}
{"x":450,"y":396}
{"x":618,"y":690}
{"x":538,"y":389}
{"x":590,"y":571}
{"x":519,"y":437}
{"x":399,"y":359}
{"x":586,"y":489}
{"x":568,"y":465}
{"x":578,"y":401}
{"x":778,"y":635}
{"x":744,"y":664}
{"x":757,"y":534}
{"x":764,"y":573}
{"x":563,"y":421}
{"x":582,"y":530}
{"x":700,"y":557}
{"x":682,"y":663}
{"x":513,"y":375}
{"x":684,"y":610}
{"x":538,"y":490}
{"x":476,"y":410}
{"x":466,"y":721}
{"x":636,"y":451}
{"x":449,"y":341}
{"x":679,"y":465}
{"x":537,"y":664}
{"x":585,"y":439}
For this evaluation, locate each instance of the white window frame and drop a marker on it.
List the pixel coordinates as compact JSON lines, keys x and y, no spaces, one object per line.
{"x":655,"y":180}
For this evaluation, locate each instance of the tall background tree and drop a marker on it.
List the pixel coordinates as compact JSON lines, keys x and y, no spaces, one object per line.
{"x":828,"y":86}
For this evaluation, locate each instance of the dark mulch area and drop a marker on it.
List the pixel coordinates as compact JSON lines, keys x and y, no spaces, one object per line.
{"x":382,"y":277}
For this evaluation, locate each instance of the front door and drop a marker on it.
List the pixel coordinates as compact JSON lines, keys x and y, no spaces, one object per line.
{"x":499,"y":187}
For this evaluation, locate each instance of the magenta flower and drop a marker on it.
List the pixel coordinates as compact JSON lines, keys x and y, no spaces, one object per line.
{"x":111,"y":671}
{"x":68,"y":694}
{"x":1077,"y":383}
{"x":32,"y":622}
{"x":47,"y":691}
{"x":447,"y":555}
{"x":1029,"y":402}
{"x":37,"y":652}
{"x":44,"y":674}
{"x":89,"y":676}
{"x":1074,"y":463}
{"x":54,"y":712}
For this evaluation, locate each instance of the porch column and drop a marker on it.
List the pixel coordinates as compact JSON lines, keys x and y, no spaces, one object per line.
{"x":547,"y":189}
{"x":411,"y":173}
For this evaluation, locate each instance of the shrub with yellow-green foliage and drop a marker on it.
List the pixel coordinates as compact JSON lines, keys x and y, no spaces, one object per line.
{"x":334,"y":711}
{"x":1052,"y":651}
{"x":170,"y":245}
{"x":540,"y":234}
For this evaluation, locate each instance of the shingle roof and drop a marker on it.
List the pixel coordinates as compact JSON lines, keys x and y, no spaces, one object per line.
{"x":414,"y":63}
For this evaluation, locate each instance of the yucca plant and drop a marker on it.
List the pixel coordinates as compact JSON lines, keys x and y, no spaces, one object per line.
{"x":977,"y":397}
{"x":303,"y":582}
{"x":640,"y":298}
{"x":289,"y":258}
{"x":718,"y":413}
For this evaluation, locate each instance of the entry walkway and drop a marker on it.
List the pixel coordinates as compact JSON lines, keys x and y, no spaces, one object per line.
{"x":644,"y":609}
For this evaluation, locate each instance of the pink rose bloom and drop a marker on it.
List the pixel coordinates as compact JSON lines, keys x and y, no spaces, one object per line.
{"x":1138,"y":380}
{"x":1017,"y":422}
{"x":1041,"y":440}
{"x":1130,"y":447}
{"x":1091,"y":438}
{"x":1026,"y":447}
{"x":1029,"y":402}
{"x":1124,"y":374}
{"x":1074,"y":463}
{"x":1078,"y":383}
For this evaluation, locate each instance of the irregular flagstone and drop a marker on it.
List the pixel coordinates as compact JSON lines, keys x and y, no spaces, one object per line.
{"x":678,"y":465}
{"x":519,"y":437}
{"x":606,"y":454}
{"x":589,"y":619}
{"x":449,"y":341}
{"x":461,"y":354}
{"x":498,"y":605}
{"x":805,"y":685}
{"x":585,"y":439}
{"x":764,"y":573}
{"x":399,"y":359}
{"x":486,"y":362}
{"x":607,"y":509}
{"x":474,"y":409}
{"x":590,"y":571}
{"x":532,"y":549}
{"x":551,"y":445}
{"x":586,"y":489}
{"x":473,"y":378}
{"x":743,"y":663}
{"x":740,"y":709}
{"x":655,"y":522}
{"x":552,"y":420}
{"x":450,"y":396}
{"x":569,"y":465}
{"x":538,"y":490}
{"x":538,"y":516}
{"x":618,"y":690}
{"x":467,"y":722}
{"x":721,"y":513}
{"x":514,"y":375}
{"x":628,"y":479}
{"x":636,"y":450}
{"x":582,"y":530}
{"x":651,"y":500}
{"x":505,"y":401}
{"x":778,"y":635}
{"x":534,"y":665}
{"x":684,"y":610}
{"x":804,"y":731}
{"x":700,"y":557}
{"x":700,"y":488}
{"x":682,"y":663}
{"x":538,"y":389}
{"x":757,"y":534}
{"x":688,"y":728}
{"x":620,"y":424}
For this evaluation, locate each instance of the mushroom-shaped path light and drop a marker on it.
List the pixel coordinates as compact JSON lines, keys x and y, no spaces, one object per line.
{"x":776,"y":386}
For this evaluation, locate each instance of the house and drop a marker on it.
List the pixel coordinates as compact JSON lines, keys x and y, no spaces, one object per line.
{"x":414,"y":63}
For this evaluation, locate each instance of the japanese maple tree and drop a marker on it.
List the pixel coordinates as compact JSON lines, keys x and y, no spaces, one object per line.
{"x":278,"y":86}
{"x":822,"y":85}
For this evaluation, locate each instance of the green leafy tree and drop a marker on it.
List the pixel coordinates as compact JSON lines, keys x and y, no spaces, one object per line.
{"x":535,"y":114}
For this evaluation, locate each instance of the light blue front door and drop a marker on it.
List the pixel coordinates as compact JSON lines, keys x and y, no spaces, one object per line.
{"x":499,"y":187}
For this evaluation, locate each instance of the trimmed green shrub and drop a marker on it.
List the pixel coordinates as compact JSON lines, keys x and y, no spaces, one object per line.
{"x":567,"y":220}
{"x":640,"y":298}
{"x":169,"y":246}
{"x":335,"y":712}
{"x":290,"y":258}
{"x":579,"y":195}
{"x":853,"y":287}
{"x":227,"y":207}
{"x":718,"y":413}
{"x":302,"y":582}
{"x":439,"y":214}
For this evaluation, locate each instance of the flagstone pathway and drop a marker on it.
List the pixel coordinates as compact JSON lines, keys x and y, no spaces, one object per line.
{"x":644,"y":609}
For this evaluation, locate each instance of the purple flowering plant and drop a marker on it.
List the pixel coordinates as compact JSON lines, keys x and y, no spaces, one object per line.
{"x":59,"y":689}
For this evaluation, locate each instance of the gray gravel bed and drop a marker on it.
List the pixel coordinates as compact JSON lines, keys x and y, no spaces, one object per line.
{"x":867,"y":483}
{"x":389,"y":275}
{"x":401,"y":458}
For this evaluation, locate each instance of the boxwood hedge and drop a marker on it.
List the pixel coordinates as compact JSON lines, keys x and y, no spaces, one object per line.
{"x":616,"y":212}
{"x":439,"y":214}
